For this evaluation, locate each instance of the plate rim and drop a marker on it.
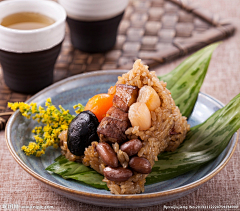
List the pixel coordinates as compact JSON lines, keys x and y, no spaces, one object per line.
{"x":178,"y":190}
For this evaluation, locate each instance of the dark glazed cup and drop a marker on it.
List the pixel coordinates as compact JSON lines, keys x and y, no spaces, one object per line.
{"x":94,"y":23}
{"x":29,"y":72}
{"x":94,"y":36}
{"x":28,"y":57}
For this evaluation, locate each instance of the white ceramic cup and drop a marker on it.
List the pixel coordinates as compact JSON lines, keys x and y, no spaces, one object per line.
{"x":93,"y":23}
{"x":32,"y":53}
{"x":93,"y":10}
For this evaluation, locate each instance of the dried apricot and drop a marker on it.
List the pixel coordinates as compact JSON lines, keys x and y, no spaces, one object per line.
{"x":99,"y":105}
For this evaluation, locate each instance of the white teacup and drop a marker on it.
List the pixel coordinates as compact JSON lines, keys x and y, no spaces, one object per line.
{"x":28,"y":56}
{"x":93,"y":23}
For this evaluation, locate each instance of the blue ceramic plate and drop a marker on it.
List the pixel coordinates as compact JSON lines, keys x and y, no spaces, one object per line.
{"x":79,"y":89}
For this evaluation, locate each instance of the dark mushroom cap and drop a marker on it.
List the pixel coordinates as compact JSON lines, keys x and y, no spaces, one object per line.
{"x":82,"y":131}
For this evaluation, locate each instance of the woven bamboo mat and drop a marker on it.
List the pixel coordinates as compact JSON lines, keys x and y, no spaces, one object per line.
{"x":156,"y":31}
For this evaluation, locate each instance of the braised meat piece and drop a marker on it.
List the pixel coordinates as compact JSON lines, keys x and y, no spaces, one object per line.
{"x":125,"y":96}
{"x":112,"y":130}
{"x":117,"y":113}
{"x":112,"y":127}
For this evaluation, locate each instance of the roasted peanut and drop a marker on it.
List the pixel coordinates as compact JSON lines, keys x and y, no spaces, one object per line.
{"x":119,"y":174}
{"x":140,"y":165}
{"x":139,"y":115}
{"x":150,"y":97}
{"x":131,"y":147}
{"x":107,"y":154}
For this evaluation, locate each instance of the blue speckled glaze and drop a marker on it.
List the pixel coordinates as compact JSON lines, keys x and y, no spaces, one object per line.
{"x":79,"y":89}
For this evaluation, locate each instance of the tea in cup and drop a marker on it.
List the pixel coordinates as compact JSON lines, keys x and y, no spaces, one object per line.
{"x":31,"y":36}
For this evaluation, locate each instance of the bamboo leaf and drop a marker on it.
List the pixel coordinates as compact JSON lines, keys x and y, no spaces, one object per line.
{"x":77,"y":171}
{"x":203,"y":143}
{"x":64,"y":167}
{"x":185,"y":81}
{"x":91,"y":178}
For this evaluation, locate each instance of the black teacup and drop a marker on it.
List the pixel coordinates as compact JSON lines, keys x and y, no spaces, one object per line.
{"x":94,"y":36}
{"x":28,"y":56}
{"x":94,"y":24}
{"x":29,"y":72}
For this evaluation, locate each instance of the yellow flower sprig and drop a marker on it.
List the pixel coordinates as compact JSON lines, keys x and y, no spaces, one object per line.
{"x":79,"y":108}
{"x":54,"y":120}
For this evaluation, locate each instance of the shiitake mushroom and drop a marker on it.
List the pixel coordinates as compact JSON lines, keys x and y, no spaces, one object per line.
{"x":82,"y":131}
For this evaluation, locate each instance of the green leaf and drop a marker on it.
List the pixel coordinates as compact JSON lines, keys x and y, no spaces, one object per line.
{"x":203,"y":143}
{"x":77,"y":171}
{"x":64,"y":167}
{"x":185,"y":81}
{"x":92,"y":178}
